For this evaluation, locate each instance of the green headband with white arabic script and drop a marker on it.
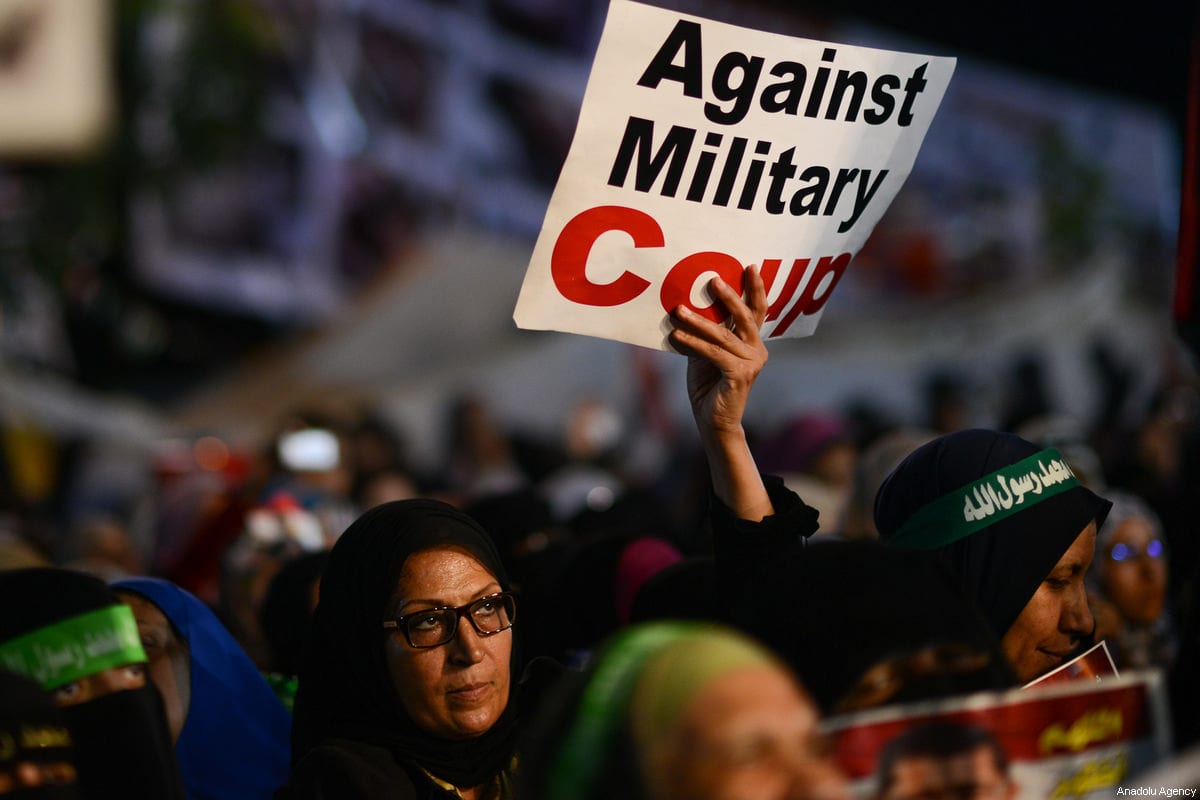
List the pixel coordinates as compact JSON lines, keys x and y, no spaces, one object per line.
{"x":984,"y":502}
{"x":75,"y":648}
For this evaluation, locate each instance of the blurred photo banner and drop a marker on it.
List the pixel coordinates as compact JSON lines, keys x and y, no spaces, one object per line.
{"x":1076,"y":739}
{"x":702,"y":148}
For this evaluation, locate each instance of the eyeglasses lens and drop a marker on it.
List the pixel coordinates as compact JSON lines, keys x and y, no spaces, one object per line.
{"x":1124,"y":552}
{"x":437,"y":626}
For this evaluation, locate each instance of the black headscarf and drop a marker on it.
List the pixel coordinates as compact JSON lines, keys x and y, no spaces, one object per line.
{"x":345,"y":689}
{"x":1002,"y":565}
{"x":835,"y":609}
{"x":286,"y":613}
{"x":122,"y":744}
{"x":34,"y":731}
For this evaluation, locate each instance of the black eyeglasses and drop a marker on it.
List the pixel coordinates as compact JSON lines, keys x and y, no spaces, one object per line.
{"x":1128,"y":552}
{"x":433,"y":627}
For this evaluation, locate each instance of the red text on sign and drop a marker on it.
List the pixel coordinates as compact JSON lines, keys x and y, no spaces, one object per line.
{"x":811,"y":285}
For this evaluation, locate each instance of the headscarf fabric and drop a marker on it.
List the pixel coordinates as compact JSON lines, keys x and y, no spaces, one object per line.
{"x":1001,"y":560}
{"x":345,"y":689}
{"x":123,"y":745}
{"x":835,"y":609}
{"x":633,"y":693}
{"x":235,"y":740}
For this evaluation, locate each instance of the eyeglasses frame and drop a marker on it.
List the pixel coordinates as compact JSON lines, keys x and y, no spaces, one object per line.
{"x":1134,"y":554}
{"x":397,"y":623}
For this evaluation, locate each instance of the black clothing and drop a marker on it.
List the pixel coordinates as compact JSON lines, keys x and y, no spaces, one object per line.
{"x":345,"y":693}
{"x":832,"y":609}
{"x":34,"y":732}
{"x":123,"y":746}
{"x":1002,"y":565}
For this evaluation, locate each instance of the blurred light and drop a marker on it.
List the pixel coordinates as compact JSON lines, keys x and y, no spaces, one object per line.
{"x":211,"y":454}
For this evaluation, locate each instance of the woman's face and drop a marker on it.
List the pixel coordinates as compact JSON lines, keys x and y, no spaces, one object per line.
{"x":169,"y":660}
{"x":1056,"y":619}
{"x":751,"y":734}
{"x":459,"y":689}
{"x":1137,"y":584}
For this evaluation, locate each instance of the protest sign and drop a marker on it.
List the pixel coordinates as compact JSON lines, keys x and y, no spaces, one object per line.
{"x":55,"y":86}
{"x":702,"y":148}
{"x":1077,"y":739}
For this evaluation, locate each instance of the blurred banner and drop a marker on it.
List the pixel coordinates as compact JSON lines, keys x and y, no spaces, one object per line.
{"x":1078,"y":739}
{"x":56,"y":95}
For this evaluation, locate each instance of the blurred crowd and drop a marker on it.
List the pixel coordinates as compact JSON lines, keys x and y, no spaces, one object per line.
{"x":226,"y":547}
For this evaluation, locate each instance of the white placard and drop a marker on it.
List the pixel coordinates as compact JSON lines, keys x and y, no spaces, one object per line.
{"x":703,"y":147}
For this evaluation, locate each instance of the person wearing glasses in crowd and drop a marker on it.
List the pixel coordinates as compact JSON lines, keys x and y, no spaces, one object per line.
{"x":410,"y":688}
{"x":1128,"y":583}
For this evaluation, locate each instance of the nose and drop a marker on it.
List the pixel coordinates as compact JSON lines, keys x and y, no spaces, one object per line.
{"x":466,"y":647}
{"x":817,"y":779}
{"x":1076,"y":619}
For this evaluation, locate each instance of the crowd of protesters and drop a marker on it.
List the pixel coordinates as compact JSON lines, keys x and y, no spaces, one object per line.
{"x":552,"y":620}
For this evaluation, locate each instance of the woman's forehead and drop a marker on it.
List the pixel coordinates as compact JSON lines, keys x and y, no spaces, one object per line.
{"x":439,"y":572}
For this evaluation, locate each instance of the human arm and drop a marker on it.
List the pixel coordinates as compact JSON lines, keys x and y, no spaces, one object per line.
{"x":723,"y":363}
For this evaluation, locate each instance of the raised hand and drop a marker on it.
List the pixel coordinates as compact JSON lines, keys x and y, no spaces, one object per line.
{"x":724,"y":360}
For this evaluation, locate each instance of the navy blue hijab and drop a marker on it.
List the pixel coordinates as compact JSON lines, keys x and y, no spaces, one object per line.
{"x":1002,"y":565}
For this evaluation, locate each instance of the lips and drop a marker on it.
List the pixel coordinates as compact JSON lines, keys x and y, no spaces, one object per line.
{"x":470,"y":693}
{"x":1059,"y":658}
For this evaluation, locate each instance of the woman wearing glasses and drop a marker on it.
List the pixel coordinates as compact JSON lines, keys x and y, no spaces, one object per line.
{"x":1128,"y":585}
{"x":409,"y":689}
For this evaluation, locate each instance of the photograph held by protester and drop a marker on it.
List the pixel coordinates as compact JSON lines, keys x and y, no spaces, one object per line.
{"x":410,"y":688}
{"x":232,"y":734}
{"x":115,"y":715}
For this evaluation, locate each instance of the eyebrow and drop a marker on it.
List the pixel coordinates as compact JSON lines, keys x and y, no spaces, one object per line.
{"x":1073,"y":568}
{"x":435,"y":603}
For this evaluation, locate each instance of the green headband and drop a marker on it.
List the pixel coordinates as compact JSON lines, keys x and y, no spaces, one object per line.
{"x":984,"y":502}
{"x":603,"y":704}
{"x":75,"y":648}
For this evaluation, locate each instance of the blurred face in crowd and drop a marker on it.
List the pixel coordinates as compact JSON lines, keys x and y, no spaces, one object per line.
{"x":1056,"y":619}
{"x":459,"y":689}
{"x":974,"y":775}
{"x":750,"y":734}
{"x":1133,"y":571}
{"x":168,"y":659}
